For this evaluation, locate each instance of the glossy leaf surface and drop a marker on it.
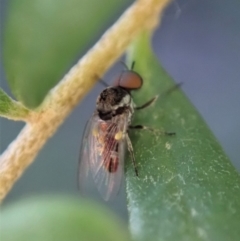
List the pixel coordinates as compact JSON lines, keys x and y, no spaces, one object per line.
{"x":187,"y":188}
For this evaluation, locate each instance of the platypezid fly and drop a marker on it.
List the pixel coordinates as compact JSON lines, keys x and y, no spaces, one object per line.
{"x":106,"y":134}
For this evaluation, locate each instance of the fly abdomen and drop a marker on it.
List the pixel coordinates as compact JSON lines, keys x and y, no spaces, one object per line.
{"x":113,"y":164}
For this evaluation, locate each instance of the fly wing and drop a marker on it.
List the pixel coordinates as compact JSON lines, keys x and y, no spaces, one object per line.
{"x":103,"y":151}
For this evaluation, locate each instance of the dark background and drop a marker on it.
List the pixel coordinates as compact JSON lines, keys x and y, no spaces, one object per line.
{"x":198,"y":43}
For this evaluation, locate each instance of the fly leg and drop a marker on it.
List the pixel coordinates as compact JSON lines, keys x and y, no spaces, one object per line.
{"x":156,"y":131}
{"x":154,"y":99}
{"x":148,"y":103}
{"x":130,"y":149}
{"x":151,"y":102}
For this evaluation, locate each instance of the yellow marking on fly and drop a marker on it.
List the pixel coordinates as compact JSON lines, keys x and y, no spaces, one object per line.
{"x":118,"y":136}
{"x":95,"y":132}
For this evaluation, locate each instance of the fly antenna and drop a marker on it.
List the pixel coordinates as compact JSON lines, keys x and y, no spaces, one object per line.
{"x":126,"y":67}
{"x":133,"y":64}
{"x":103,"y":83}
{"x":124,"y":64}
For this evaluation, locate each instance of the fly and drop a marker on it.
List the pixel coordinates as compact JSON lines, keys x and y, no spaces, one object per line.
{"x":106,"y":134}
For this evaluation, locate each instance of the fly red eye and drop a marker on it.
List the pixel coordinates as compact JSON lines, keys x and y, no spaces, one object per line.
{"x":129,"y":80}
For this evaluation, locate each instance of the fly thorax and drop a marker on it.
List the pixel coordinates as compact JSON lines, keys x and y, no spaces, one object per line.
{"x":113,"y":101}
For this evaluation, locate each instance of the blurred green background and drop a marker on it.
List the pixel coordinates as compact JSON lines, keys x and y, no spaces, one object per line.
{"x":198,"y":43}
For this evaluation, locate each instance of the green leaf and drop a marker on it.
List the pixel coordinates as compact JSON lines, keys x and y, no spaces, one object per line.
{"x":10,"y":108}
{"x":187,"y":188}
{"x":59,"y":218}
{"x":44,"y":37}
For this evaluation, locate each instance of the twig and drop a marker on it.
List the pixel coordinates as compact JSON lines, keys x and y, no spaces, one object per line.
{"x":142,"y":15}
